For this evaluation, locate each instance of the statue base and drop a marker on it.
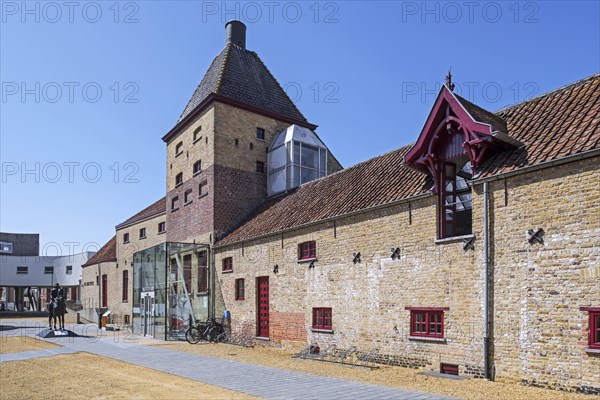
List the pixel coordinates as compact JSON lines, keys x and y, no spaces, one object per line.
{"x":56,"y":333}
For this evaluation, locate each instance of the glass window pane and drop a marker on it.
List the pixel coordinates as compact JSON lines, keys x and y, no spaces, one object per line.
{"x":323,"y":161}
{"x":296,"y":157}
{"x":310,"y":156}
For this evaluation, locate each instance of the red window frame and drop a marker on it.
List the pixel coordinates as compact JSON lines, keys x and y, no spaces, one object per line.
{"x":239,"y":289}
{"x":322,"y":318}
{"x":307,"y":250}
{"x":593,"y":326}
{"x":427,"y":322}
{"x":227,"y":264}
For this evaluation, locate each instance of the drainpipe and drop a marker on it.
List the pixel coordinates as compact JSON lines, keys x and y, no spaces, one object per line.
{"x":486,"y":305}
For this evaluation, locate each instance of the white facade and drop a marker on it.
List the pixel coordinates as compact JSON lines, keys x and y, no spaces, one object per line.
{"x":42,"y":271}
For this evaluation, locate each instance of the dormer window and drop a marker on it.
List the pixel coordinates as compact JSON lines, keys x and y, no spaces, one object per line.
{"x":179,"y":149}
{"x":295,"y":157}
{"x":458,"y":136}
{"x":455,"y":201}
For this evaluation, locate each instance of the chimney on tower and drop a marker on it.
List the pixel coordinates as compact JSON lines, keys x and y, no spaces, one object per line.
{"x":236,"y":33}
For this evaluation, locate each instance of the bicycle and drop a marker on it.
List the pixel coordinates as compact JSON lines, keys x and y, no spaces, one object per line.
{"x":210,"y":331}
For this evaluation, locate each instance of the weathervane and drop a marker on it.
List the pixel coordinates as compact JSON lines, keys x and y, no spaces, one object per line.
{"x":449,"y":83}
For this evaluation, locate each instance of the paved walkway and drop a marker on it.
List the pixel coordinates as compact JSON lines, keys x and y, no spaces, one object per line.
{"x":261,"y":381}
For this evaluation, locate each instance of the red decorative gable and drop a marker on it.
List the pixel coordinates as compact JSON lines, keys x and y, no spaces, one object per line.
{"x":457,"y":128}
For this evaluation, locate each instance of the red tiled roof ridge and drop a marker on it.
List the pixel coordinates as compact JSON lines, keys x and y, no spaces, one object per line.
{"x":107,"y":253}
{"x":155,"y":208}
{"x":552,"y":92}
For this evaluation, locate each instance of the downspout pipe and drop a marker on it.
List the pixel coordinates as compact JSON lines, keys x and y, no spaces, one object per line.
{"x":486,"y":302}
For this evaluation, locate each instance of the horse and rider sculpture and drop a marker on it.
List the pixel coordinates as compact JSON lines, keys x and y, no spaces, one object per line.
{"x":57,"y":307}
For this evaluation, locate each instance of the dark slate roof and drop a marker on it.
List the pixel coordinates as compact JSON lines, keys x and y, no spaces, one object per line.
{"x":482,"y":115}
{"x":156,"y":208}
{"x":555,"y":125}
{"x":107,"y":253}
{"x":379,"y":181}
{"x":239,"y":74}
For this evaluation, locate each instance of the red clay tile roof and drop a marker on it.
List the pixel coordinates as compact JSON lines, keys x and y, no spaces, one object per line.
{"x":379,"y":181}
{"x":555,"y":125}
{"x":107,"y":253}
{"x":558,"y":124}
{"x":154,"y":209}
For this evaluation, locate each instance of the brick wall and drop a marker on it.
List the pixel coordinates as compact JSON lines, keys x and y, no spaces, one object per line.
{"x":540,"y":334}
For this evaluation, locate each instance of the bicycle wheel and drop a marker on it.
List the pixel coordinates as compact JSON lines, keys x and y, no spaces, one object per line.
{"x":214,"y":333}
{"x":193,"y":335}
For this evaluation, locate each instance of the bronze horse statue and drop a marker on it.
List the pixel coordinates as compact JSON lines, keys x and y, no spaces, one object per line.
{"x":56,"y":310}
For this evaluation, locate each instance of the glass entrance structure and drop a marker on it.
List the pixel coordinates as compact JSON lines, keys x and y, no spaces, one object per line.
{"x":173,"y":287}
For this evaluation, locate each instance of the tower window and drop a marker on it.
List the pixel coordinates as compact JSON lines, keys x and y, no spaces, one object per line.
{"x":260,"y":133}
{"x":202,"y":189}
{"x":197,"y":134}
{"x":178,"y":149}
{"x":179,"y":179}
{"x":175,"y":203}
{"x":187,"y":197}
{"x":197,"y":167}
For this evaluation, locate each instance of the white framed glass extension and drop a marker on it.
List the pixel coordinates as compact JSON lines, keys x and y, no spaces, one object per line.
{"x":295,"y":157}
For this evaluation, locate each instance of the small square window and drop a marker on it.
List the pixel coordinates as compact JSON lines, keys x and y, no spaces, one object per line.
{"x":175,"y":203}
{"x":198,"y":134}
{"x":322,"y":318}
{"x":22,"y":270}
{"x":179,"y":149}
{"x":126,"y":238}
{"x":179,"y":179}
{"x":69,"y":269}
{"x":260,"y":167}
{"x":187,"y":196}
{"x":162,"y":227}
{"x":143,"y":233}
{"x":239,"y":289}
{"x":228,"y":264}
{"x":202,"y":189}
{"x":307,"y":250}
{"x":197,"y":167}
{"x":49,"y":270}
{"x":260,"y":133}
{"x":427,"y":323}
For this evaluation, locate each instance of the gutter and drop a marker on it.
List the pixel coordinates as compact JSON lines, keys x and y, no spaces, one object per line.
{"x":329,"y":219}
{"x":536,"y":167}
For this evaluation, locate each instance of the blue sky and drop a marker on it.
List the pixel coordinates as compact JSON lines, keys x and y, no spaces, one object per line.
{"x":89,"y":88}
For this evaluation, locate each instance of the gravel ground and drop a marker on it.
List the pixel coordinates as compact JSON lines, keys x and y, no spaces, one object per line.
{"x":404,"y":378}
{"x":95,"y":377}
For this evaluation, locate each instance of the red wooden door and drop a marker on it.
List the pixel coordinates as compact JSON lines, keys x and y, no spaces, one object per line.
{"x":104,"y":291}
{"x":263,"y":306}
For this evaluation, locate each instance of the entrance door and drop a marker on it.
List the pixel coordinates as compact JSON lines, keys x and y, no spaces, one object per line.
{"x":263,"y":306}
{"x":147,"y":313}
{"x":104,"y":291}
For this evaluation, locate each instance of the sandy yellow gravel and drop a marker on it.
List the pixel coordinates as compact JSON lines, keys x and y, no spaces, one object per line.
{"x":23,"y":343}
{"x":87,"y":376}
{"x":399,"y":377}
